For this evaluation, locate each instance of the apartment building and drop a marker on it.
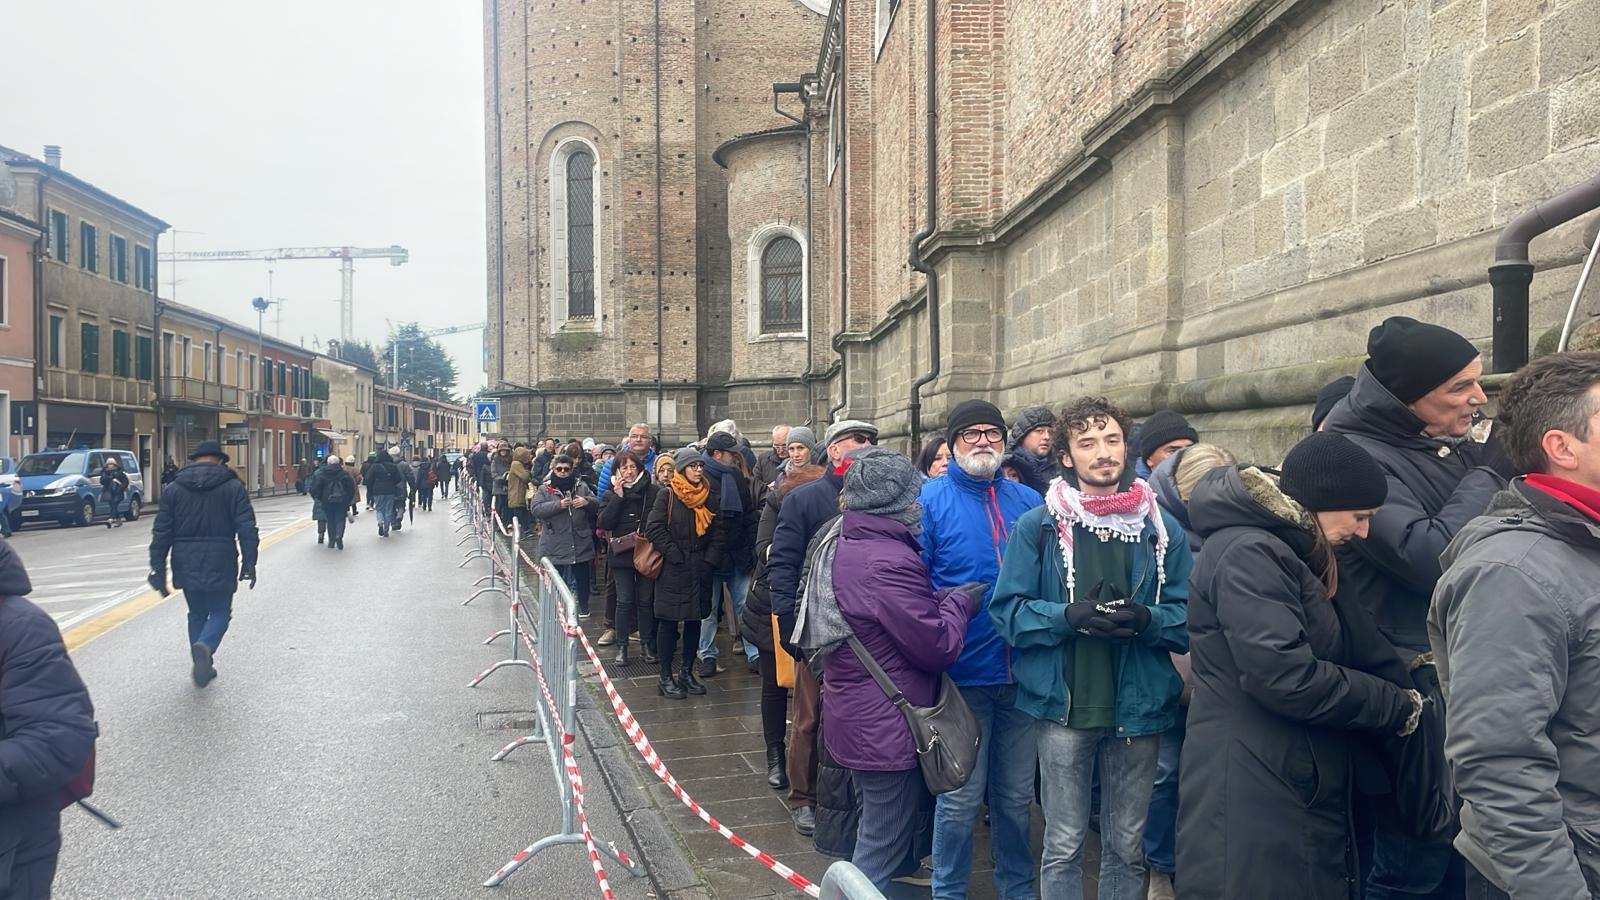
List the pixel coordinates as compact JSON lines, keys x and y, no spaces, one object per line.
{"x":18,"y":237}
{"x":349,"y":403}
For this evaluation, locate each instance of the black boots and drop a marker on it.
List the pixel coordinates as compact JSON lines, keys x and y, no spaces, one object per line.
{"x":777,"y":777}
{"x":622,"y":653}
{"x":669,"y":688}
{"x":691,"y":683}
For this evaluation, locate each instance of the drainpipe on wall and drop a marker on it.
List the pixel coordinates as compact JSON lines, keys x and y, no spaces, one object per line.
{"x":795,"y":87}
{"x":918,"y":263}
{"x":1512,"y":272}
{"x":41,"y":318}
{"x":499,"y":198}
{"x":661,"y":339}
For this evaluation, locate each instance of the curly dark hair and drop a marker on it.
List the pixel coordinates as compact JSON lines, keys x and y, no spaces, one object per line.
{"x":1549,"y":394}
{"x":1080,"y":415}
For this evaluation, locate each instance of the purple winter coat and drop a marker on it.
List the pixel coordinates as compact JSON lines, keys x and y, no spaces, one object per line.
{"x":913,"y":633}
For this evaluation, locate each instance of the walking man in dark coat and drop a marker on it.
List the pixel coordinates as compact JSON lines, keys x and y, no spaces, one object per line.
{"x":47,"y":731}
{"x":204,"y":512}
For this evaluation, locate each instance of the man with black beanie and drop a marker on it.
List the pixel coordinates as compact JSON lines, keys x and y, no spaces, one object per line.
{"x":1163,"y":434}
{"x":1328,"y":397}
{"x":1411,"y":408}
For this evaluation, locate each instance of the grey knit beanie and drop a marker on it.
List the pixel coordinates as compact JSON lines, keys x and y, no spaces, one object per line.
{"x":880,"y":482}
{"x":800,"y":434}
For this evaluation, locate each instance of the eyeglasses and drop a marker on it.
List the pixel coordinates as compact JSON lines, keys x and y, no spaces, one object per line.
{"x":562,"y":470}
{"x":971,"y":435}
{"x":859,"y":438}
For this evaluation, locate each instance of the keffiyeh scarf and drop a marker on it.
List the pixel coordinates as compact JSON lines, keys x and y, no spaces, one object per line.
{"x":1120,"y":516}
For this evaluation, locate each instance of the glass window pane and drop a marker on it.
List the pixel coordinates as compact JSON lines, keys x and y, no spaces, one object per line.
{"x":782,"y":285}
{"x":580,"y":235}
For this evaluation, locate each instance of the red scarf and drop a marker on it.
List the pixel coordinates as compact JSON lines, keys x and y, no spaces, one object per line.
{"x":1580,"y":497}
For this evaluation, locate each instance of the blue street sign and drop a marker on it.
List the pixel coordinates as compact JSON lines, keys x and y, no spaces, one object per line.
{"x":486,"y":410}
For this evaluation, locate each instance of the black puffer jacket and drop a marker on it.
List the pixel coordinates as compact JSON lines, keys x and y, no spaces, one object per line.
{"x":737,"y":551}
{"x":385,"y":479}
{"x":681,"y":588}
{"x":625,"y":515}
{"x":1278,"y":710}
{"x":203,"y":513}
{"x":1435,"y":488}
{"x":47,"y":727}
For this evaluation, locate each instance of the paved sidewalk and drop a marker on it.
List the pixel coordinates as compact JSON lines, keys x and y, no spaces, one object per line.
{"x":339,"y":754}
{"x":713,"y":747}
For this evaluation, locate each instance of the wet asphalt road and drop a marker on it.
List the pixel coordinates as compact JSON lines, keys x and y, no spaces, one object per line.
{"x":338,"y":755}
{"x":80,"y":572}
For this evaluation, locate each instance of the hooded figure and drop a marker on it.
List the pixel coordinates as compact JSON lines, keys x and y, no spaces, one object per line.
{"x":1033,"y":469}
{"x":47,"y":732}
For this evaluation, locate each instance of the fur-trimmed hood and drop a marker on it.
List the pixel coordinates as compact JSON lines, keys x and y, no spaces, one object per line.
{"x":795,"y":476}
{"x":1245,"y":496}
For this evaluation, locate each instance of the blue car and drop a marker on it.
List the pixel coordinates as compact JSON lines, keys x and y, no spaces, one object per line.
{"x":64,"y":486}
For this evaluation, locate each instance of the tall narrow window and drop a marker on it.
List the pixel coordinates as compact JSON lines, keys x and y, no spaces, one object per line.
{"x":580,"y":235}
{"x":144,"y":344}
{"x":782,"y":285}
{"x":56,"y":324}
{"x":88,"y":247}
{"x":119,"y":353}
{"x":89,"y":356}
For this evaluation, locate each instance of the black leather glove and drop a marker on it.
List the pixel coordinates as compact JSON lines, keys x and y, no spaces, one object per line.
{"x":158,"y":580}
{"x":247,"y":572}
{"x":785,"y":629}
{"x":1084,"y":618}
{"x":1493,"y":456}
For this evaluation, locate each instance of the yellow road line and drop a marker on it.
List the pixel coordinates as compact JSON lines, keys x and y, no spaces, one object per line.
{"x":82,"y":634}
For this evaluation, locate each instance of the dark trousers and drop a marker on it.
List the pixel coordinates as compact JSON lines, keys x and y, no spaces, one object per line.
{"x":636,"y":603}
{"x":209,"y":614}
{"x":425,"y":496}
{"x":886,"y":838}
{"x":30,"y":880}
{"x":335,"y":526}
{"x":1481,"y":888}
{"x":577,"y":575}
{"x":603,"y":558}
{"x":114,"y":498}
{"x":1397,"y":866}
{"x":774,"y":699}
{"x":667,"y":643}
{"x":802,"y":763}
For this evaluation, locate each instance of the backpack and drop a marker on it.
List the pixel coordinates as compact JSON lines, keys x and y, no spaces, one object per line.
{"x":335,"y":494}
{"x":80,"y":785}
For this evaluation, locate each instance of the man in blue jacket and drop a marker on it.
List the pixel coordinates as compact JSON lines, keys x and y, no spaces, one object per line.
{"x":203,"y":512}
{"x":642,"y":444}
{"x":47,"y":731}
{"x":967,"y":517}
{"x":1093,"y":595}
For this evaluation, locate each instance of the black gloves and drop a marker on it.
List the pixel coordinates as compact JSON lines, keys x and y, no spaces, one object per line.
{"x":785,"y":629}
{"x":158,"y":580}
{"x":247,"y":572}
{"x":1109,"y":618}
{"x":1083,"y":618}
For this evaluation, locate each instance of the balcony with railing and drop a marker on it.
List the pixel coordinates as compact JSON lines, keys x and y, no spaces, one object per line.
{"x":91,"y":387}
{"x":197,"y":392}
{"x":309,"y":409}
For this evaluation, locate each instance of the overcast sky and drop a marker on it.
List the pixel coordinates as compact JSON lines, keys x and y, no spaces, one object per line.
{"x":289,"y":123}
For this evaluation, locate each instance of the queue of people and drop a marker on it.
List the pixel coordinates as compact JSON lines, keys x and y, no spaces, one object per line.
{"x":1225,"y":667}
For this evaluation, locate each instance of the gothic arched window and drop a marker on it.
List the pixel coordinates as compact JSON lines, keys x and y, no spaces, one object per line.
{"x":782,"y":286}
{"x":580,"y":235}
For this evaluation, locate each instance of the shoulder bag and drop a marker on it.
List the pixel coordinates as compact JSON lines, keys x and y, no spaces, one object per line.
{"x":946,"y":733}
{"x":647,"y":559}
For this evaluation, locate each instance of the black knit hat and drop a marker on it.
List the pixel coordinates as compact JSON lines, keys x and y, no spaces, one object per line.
{"x":1162,"y":428}
{"x":1030,"y":418}
{"x":1411,"y":358}
{"x":1328,"y":472}
{"x":969,"y":413}
{"x":1329,"y":397}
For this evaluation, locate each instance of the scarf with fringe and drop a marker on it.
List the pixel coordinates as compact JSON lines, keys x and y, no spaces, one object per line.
{"x":1120,"y":516}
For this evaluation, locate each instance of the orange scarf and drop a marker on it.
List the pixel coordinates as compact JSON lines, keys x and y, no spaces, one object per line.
{"x":694,"y":496}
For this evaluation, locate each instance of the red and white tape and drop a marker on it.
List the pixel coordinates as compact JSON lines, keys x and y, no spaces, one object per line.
{"x":641,"y":743}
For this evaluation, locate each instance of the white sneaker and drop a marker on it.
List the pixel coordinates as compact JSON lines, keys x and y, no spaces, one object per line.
{"x":1160,"y":887}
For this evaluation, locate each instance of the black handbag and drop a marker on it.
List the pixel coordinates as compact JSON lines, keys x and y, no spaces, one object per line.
{"x":946,"y":734}
{"x":1424,"y":794}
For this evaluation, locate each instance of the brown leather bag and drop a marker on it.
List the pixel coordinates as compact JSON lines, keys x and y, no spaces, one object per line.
{"x":646,"y":558}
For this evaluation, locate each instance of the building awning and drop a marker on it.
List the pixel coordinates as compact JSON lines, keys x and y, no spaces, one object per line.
{"x":332,"y":436}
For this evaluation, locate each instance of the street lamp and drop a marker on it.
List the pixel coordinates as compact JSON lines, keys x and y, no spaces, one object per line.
{"x":257,"y":454}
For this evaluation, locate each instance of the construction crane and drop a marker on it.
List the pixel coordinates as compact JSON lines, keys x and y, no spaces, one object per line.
{"x":394,"y":253}
{"x":395,"y":339}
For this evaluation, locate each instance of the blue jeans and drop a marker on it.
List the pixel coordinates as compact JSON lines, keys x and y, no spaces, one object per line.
{"x":209,"y":614}
{"x":385,"y":506}
{"x":1127,"y":766}
{"x":1161,"y":831}
{"x":1007,"y":758}
{"x":738,"y":584}
{"x":1397,"y":865}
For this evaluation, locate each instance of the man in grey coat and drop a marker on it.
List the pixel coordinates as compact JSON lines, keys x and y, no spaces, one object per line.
{"x":1515,"y":626}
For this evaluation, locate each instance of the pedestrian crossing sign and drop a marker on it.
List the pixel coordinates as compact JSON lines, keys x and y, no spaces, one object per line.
{"x":486,"y":411}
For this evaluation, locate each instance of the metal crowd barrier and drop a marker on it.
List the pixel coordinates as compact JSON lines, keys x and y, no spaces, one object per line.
{"x":482,"y":526}
{"x":513,"y":630}
{"x":844,"y":881}
{"x":554,"y":659}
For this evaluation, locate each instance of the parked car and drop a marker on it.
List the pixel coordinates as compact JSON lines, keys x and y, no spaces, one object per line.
{"x":64,"y":485}
{"x":10,"y":494}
